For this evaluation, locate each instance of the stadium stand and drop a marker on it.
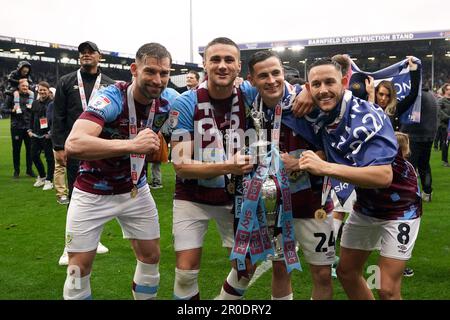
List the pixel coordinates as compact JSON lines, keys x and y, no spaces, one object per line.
{"x":370,"y":52}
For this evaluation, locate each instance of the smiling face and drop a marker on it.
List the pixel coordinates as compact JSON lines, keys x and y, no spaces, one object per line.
{"x":326,"y":86}
{"x":268,"y":78}
{"x":44,"y":93}
{"x":89,"y":58}
{"x":151,"y":77}
{"x":23,"y":86}
{"x":222,"y":65}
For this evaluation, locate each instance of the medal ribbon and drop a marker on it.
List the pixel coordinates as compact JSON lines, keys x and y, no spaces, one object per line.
{"x":247,"y":219}
{"x":286,"y":218}
{"x":84,"y":103}
{"x":326,"y":188}
{"x":137,"y":160}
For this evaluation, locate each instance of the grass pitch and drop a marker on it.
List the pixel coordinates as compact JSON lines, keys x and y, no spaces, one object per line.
{"x":32,"y":238}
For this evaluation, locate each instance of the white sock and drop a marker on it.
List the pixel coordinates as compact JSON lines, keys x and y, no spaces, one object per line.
{"x":337,"y":225}
{"x":288,"y":297}
{"x":186,"y":284}
{"x":145,"y":281}
{"x":233,"y":289}
{"x":76,"y":287}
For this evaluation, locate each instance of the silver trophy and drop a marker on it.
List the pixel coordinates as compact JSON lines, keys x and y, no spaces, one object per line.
{"x":269,"y":196}
{"x":259,"y":147}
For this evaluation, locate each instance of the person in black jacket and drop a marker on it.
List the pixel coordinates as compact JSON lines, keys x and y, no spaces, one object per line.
{"x":421,"y":136}
{"x":72,"y":96}
{"x":385,"y":95}
{"x":40,"y":139}
{"x":73,"y":93}
{"x":444,"y":119}
{"x":20,"y":119}
{"x":192,"y":81}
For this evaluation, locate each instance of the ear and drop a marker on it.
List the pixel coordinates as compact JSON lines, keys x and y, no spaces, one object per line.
{"x":133,"y":69}
{"x":345,"y":81}
{"x":308,"y":87}
{"x":251,"y":79}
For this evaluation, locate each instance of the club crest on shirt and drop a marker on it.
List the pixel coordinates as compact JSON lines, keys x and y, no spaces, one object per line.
{"x":100,"y":102}
{"x":173,"y":119}
{"x":159,"y":120}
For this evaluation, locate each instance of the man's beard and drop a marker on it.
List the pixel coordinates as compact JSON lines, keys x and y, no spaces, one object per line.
{"x":88,"y":65}
{"x":147,"y":94}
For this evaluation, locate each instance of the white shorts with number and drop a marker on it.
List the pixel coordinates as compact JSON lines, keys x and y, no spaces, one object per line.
{"x":316,"y":240}
{"x":394,"y":238}
{"x":190,"y":223}
{"x":88,"y":213}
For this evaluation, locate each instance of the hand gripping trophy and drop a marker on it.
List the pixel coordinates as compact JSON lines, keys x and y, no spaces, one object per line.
{"x":266,"y":205}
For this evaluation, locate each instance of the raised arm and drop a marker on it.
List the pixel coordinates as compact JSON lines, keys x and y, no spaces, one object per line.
{"x":414,"y":73}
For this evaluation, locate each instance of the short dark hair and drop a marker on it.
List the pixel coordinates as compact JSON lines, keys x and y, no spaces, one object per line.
{"x":261,"y":56}
{"x":223,"y":40}
{"x":44,"y":84}
{"x":344,"y":62}
{"x":154,"y":50}
{"x":324,"y":62}
{"x":195,"y":73}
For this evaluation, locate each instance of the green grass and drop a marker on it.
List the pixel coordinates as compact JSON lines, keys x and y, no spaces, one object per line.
{"x":32,"y":237}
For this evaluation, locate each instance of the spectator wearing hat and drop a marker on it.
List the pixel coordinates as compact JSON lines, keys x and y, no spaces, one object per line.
{"x":73,"y":93}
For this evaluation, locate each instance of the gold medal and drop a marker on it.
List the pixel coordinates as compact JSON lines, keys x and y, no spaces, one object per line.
{"x":134,"y":192}
{"x":320,"y":214}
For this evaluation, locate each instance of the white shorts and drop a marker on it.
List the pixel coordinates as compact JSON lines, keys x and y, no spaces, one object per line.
{"x":88,"y":213}
{"x":394,"y":238}
{"x":316,"y":240}
{"x":348,"y":205}
{"x":190,"y":223}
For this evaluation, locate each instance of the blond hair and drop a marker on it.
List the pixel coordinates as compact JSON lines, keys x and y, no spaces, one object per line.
{"x":403,"y":143}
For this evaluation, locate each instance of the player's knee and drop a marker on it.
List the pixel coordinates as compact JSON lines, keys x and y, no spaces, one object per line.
{"x":322,"y":277}
{"x":82,"y":266}
{"x":387,"y":293}
{"x":345,"y":274}
{"x":149,"y":257}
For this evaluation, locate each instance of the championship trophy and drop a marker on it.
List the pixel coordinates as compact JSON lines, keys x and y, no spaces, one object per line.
{"x":270,"y":198}
{"x":269,"y":187}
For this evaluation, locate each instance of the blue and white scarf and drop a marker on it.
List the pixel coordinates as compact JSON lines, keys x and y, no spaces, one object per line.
{"x":361,"y":135}
{"x":399,"y":75}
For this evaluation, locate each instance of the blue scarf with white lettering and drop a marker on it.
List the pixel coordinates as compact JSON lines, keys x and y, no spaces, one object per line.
{"x":399,"y":75}
{"x":361,"y":135}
